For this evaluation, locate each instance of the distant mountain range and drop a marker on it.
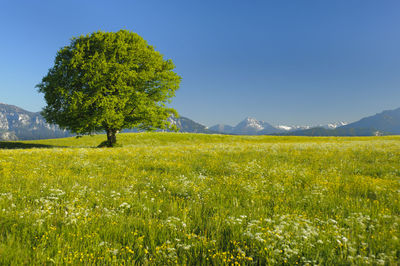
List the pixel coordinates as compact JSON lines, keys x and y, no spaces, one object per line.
{"x":19,"y":124}
{"x":384,"y":123}
{"x":248,"y":126}
{"x":187,"y":125}
{"x":251,"y":126}
{"x":184,"y":124}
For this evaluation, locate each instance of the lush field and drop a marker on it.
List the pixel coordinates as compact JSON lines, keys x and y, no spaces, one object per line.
{"x":167,"y":198}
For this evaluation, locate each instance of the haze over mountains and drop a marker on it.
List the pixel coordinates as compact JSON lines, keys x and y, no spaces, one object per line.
{"x":19,"y":124}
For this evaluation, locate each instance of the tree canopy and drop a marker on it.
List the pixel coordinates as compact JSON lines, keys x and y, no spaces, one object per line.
{"x":109,"y":81}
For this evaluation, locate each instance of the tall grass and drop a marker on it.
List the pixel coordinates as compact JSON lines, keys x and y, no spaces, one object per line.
{"x":165,"y":198}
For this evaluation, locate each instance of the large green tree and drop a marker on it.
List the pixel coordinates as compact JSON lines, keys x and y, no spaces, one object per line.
{"x":108,"y":81}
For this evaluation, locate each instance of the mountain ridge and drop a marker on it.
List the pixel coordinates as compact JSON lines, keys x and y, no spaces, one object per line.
{"x":384,"y":123}
{"x":252,"y":126}
{"x":19,"y":124}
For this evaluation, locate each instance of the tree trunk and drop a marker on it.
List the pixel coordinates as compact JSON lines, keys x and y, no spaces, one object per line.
{"x":111,"y":137}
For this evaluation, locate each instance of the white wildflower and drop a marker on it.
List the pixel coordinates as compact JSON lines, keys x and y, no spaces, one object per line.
{"x":125,"y":205}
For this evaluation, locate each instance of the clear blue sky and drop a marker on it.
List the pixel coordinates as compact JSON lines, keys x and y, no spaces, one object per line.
{"x":281,"y":61}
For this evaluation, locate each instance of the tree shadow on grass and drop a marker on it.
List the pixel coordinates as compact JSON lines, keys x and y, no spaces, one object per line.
{"x":22,"y":145}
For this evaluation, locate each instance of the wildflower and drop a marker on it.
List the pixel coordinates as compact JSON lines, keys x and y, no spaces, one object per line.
{"x":125,"y":205}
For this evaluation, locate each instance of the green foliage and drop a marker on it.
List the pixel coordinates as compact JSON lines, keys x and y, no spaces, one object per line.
{"x":194,"y":199}
{"x":109,"y":81}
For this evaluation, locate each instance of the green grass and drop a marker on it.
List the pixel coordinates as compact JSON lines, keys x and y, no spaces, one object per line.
{"x":165,"y":198}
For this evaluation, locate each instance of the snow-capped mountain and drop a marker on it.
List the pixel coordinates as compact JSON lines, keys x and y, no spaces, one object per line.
{"x":252,"y":126}
{"x":384,"y":123}
{"x":291,"y":128}
{"x":296,"y":127}
{"x":17,"y":123}
{"x":333,"y":125}
{"x":221,"y":128}
{"x":187,"y":125}
{"x":183,"y":124}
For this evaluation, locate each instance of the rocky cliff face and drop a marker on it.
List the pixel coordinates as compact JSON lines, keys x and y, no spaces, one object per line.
{"x":19,"y":124}
{"x":187,"y":125}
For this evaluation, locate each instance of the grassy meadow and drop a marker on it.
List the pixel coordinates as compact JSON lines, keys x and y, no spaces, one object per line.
{"x":167,"y":198}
